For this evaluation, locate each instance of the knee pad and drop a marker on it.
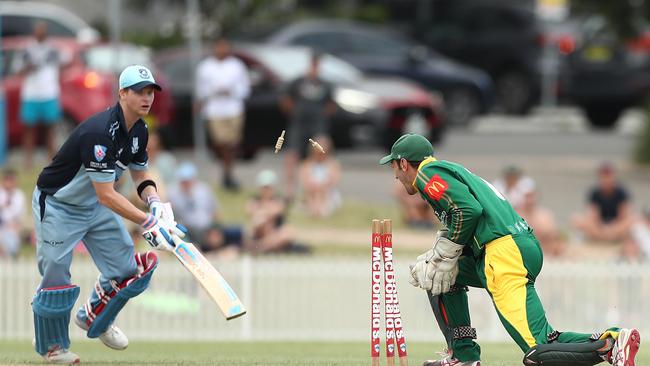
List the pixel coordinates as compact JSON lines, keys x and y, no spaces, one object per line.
{"x":566,"y":354}
{"x":102,"y":314}
{"x":51,"y":308}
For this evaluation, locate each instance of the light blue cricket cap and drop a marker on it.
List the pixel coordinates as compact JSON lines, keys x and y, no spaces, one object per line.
{"x":266,"y":178}
{"x":186,"y":171}
{"x":137,"y":77}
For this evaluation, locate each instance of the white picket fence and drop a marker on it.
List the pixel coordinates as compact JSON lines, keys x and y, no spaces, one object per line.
{"x":328,"y":298}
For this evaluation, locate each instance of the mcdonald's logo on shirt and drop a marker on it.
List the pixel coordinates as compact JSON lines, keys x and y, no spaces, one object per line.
{"x":436,"y":187}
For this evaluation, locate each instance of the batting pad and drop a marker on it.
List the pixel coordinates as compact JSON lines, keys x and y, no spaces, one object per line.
{"x":52,"y":316}
{"x":102,"y":314}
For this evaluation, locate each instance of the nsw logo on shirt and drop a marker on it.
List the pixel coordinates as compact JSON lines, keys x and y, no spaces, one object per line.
{"x":100,"y":152}
{"x":135,"y":145}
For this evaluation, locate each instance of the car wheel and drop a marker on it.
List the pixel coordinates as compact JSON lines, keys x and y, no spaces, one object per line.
{"x":461,"y":105}
{"x":604,"y":117}
{"x":514,"y":92}
{"x":62,"y":130}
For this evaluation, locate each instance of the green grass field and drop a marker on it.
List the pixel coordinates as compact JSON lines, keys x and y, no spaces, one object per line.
{"x":256,"y":353}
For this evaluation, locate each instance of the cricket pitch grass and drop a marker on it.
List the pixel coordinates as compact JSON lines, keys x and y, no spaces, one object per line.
{"x":254,"y":353}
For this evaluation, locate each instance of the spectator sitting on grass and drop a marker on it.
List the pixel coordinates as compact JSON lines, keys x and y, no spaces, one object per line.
{"x":543,"y":223}
{"x":12,"y":212}
{"x":267,"y":211}
{"x":319,"y":175}
{"x":196,"y":207}
{"x":514,"y":185}
{"x":609,"y":216}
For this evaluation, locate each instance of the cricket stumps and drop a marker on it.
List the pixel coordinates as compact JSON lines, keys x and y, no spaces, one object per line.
{"x":382,"y":261}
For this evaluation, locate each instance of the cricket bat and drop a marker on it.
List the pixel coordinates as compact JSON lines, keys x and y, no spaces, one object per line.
{"x":210,"y":279}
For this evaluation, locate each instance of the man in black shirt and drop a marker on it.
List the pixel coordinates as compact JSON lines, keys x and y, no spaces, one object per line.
{"x":308,"y":103}
{"x":609,"y":215}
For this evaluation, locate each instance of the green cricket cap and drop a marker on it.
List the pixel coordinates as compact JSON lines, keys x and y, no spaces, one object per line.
{"x":411,"y":147}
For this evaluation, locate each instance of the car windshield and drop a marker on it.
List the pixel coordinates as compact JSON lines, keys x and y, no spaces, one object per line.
{"x":291,"y":63}
{"x":114,"y":59}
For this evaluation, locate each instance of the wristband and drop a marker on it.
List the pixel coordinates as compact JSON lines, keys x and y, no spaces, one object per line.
{"x":144,"y":185}
{"x":149,"y":222}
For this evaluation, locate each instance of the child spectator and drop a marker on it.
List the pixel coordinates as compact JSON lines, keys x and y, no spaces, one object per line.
{"x":267,"y":211}
{"x":319,"y":176}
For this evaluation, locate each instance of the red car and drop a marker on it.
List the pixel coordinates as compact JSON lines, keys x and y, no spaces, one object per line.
{"x":88,"y":82}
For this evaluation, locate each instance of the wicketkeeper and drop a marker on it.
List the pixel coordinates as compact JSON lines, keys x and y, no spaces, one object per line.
{"x":486,"y":244}
{"x":75,"y":200}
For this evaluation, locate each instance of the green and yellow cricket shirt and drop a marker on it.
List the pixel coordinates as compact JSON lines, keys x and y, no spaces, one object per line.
{"x":473,"y":211}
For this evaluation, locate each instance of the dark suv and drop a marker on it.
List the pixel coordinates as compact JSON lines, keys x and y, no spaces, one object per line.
{"x":606,"y":74}
{"x":503,"y":38}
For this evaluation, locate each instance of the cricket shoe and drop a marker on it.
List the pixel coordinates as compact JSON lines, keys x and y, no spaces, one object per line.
{"x":626,"y":347}
{"x":448,"y":360}
{"x":113,"y":337}
{"x":61,"y":356}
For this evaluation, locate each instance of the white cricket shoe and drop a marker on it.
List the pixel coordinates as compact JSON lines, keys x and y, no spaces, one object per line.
{"x":448,"y":360}
{"x":626,"y":347}
{"x":113,"y":337}
{"x":61,"y":356}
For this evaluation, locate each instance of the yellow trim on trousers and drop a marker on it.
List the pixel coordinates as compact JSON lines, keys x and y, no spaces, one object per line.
{"x":506,"y":278}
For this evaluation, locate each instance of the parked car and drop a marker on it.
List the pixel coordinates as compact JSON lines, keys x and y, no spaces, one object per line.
{"x":467,"y":91}
{"x":18,"y":18}
{"x":370,"y":110}
{"x":88,"y":82}
{"x":503,"y":38}
{"x":607,"y":75}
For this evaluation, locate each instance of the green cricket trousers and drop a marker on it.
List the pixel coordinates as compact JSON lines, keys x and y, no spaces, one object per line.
{"x":507,"y":269}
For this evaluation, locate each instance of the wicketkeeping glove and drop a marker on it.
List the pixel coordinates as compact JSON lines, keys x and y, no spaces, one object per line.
{"x":413,"y":280}
{"x":436,"y":270}
{"x":157,"y":234}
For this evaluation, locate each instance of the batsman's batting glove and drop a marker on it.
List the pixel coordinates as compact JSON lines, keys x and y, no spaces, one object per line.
{"x":157,"y":234}
{"x":156,"y":208}
{"x":168,"y":218}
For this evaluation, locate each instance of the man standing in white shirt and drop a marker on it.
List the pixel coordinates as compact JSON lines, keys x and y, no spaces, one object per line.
{"x":12,"y":213}
{"x":40,"y":91}
{"x":222,"y":84}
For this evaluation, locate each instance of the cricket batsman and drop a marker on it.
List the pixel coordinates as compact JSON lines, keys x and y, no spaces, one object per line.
{"x":486,"y":244}
{"x":75,"y":200}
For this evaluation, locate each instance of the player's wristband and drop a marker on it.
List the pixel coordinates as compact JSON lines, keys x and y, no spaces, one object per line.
{"x":144,"y":185}
{"x":149,"y":222}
